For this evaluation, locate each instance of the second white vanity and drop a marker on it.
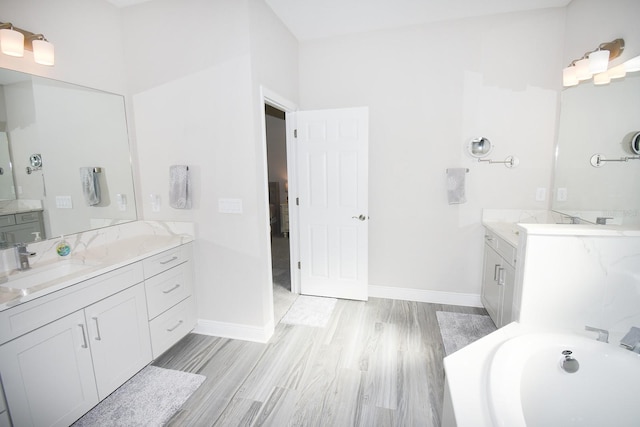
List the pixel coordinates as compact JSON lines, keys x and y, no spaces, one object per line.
{"x":499,"y":275}
{"x":70,"y":341}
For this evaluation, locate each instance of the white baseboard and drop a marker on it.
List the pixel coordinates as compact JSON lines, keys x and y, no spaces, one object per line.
{"x":235,"y":331}
{"x":420,"y":295}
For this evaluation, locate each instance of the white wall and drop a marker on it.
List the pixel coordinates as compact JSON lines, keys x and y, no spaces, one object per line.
{"x":430,"y":89}
{"x":201,"y":107}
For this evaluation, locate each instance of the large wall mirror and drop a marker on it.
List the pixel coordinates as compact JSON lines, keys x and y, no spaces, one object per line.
{"x":599,"y":120}
{"x":51,"y":134}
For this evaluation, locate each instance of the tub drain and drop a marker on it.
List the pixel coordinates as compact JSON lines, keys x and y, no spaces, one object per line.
{"x":569,"y":364}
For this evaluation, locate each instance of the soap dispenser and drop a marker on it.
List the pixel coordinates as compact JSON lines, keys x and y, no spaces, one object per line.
{"x":63,"y":248}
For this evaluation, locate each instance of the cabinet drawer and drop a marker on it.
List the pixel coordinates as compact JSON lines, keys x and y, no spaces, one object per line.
{"x":22,"y":218}
{"x":168,"y":288}
{"x":7,"y":220}
{"x":501,"y":246}
{"x":34,"y":314}
{"x":166,"y":260}
{"x":168,"y":328}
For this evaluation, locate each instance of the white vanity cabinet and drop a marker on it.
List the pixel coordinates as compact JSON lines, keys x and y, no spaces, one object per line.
{"x":57,"y":372}
{"x":60,"y":354}
{"x":498,"y":280}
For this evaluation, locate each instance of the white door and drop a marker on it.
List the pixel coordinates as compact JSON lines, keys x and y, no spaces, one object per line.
{"x":332,"y":171}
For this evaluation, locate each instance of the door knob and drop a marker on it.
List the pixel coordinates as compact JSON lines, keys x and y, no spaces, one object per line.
{"x":361,"y":217}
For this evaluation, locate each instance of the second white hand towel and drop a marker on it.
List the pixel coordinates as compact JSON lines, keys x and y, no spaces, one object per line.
{"x":456,"y":185}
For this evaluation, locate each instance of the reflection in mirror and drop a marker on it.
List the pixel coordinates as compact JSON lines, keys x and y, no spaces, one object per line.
{"x":599,"y":120}
{"x":7,"y":187}
{"x":52,"y":130}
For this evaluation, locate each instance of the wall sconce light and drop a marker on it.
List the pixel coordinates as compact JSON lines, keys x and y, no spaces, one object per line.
{"x":14,"y":41}
{"x":594,"y":63}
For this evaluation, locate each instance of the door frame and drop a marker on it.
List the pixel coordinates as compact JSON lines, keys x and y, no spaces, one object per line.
{"x":275,"y":100}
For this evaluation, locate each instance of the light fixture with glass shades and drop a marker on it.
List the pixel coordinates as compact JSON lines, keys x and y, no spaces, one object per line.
{"x":14,"y":41}
{"x":595,"y":64}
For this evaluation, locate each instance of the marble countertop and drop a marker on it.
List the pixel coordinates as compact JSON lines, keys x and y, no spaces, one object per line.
{"x":97,"y":260}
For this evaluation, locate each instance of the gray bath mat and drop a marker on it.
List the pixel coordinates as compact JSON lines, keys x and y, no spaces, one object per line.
{"x":148,"y":399}
{"x":460,"y":329}
{"x":310,"y":311}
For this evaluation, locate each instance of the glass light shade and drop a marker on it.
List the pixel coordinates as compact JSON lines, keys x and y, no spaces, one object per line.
{"x":601,"y":78}
{"x":632,"y":65}
{"x":617,"y":72}
{"x":11,"y":42}
{"x":582,"y":69}
{"x":43,"y":52}
{"x":598,"y":61}
{"x":569,"y":77}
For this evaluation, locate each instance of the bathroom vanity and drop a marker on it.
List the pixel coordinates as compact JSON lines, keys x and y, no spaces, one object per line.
{"x":69,"y":341}
{"x":499,"y":273}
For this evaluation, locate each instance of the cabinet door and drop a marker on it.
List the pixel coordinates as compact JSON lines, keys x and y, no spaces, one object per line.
{"x":119,"y":337}
{"x":47,"y":374}
{"x":492,"y":290}
{"x":509,"y":280}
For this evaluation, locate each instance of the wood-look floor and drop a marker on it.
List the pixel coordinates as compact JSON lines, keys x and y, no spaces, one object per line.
{"x":377,"y":363}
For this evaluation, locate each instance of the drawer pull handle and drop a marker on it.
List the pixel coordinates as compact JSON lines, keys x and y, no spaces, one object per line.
{"x":501,"y":276}
{"x":84,"y":336}
{"x":98,"y":337}
{"x":168,"y":291}
{"x":175,"y":327}
{"x":496,"y":272}
{"x":175,"y":257}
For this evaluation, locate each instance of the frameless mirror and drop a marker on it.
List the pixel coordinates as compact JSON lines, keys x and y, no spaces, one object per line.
{"x":602,"y":121}
{"x":49,"y":131}
{"x":480,"y":147}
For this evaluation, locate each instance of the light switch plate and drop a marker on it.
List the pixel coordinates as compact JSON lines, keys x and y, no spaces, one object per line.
{"x":64,"y":202}
{"x":232,"y":206}
{"x":561,"y":196}
{"x":541,"y":194}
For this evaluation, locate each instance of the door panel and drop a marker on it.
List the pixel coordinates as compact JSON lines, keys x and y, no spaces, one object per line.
{"x":332,"y":166}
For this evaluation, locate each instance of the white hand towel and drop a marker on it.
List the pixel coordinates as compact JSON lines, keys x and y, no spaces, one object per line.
{"x":90,"y":182}
{"x":179,"y":191}
{"x":455,"y":185}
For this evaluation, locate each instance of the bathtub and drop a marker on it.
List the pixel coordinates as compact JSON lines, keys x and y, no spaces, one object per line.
{"x":528,"y":386}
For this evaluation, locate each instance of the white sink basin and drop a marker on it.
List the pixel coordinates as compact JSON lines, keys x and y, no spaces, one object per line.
{"x":28,"y":279}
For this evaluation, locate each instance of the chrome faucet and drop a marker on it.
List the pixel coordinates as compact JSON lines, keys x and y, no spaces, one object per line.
{"x":22,"y":256}
{"x":631,"y":341}
{"x":603,"y":335}
{"x":602,"y":220}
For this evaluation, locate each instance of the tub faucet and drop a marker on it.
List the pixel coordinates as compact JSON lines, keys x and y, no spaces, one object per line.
{"x":22,"y":256}
{"x":631,"y":341}
{"x":603,"y":335}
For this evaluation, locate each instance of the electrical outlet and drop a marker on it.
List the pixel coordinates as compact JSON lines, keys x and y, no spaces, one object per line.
{"x":230,"y":206}
{"x":541,"y":194}
{"x":561,"y":195}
